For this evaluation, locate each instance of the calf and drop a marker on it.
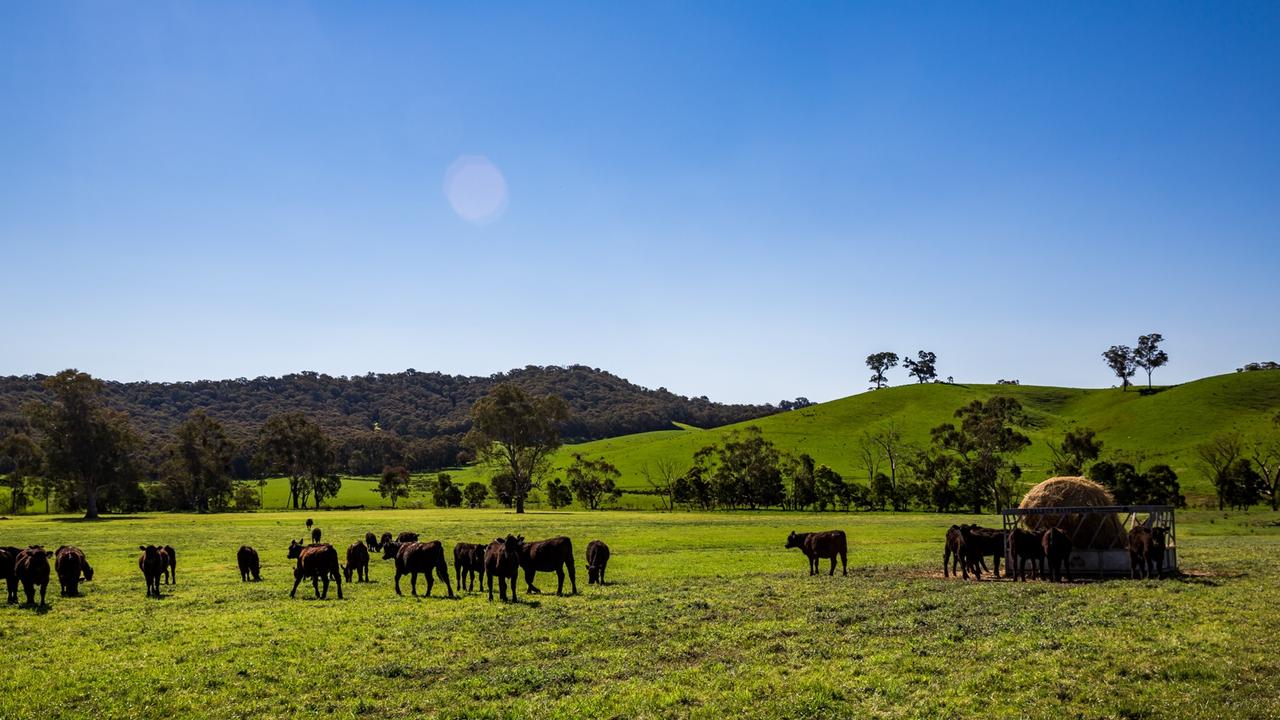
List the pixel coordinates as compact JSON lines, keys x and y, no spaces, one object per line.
{"x":502,"y":560}
{"x":553,"y":555}
{"x":247,"y":559}
{"x":8,"y":557}
{"x":152,"y":562}
{"x":171,"y":564}
{"x":357,"y":562}
{"x":318,"y":562}
{"x":468,"y":562}
{"x":981,"y":543}
{"x":597,"y":560}
{"x":32,"y":569}
{"x":958,"y":552}
{"x":315,"y":535}
{"x":1146,"y":551}
{"x":1026,"y":546}
{"x":69,"y":563}
{"x":371,"y":541}
{"x":416,"y":557}
{"x":407,"y":537}
{"x":825,"y":544}
{"x":1057,"y":553}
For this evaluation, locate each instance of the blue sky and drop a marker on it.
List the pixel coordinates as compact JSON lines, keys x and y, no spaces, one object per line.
{"x":733,"y":199}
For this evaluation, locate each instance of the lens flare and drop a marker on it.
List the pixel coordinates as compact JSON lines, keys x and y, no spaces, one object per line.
{"x":476,"y":189}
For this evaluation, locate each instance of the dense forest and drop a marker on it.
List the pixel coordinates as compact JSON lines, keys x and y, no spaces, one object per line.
{"x":426,"y":413}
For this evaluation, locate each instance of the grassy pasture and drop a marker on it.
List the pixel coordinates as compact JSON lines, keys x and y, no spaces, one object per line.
{"x":706,"y":616}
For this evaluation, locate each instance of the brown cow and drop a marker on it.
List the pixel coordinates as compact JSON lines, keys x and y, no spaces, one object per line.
{"x":8,"y":557}
{"x":152,"y":562}
{"x":982,"y":542}
{"x":357,"y":562}
{"x":826,"y":544}
{"x":318,"y":562}
{"x":468,"y":562}
{"x":597,"y":560}
{"x":171,"y":564}
{"x":247,"y":559}
{"x":407,"y":537}
{"x":502,"y":560}
{"x":1146,"y":551}
{"x":69,"y":563}
{"x":386,"y":538}
{"x":390,"y":549}
{"x":416,"y":557}
{"x":1057,"y":553}
{"x":315,"y":536}
{"x":958,"y":552}
{"x":551,"y":555}
{"x":371,"y":542}
{"x":1026,"y":546}
{"x":32,"y":569}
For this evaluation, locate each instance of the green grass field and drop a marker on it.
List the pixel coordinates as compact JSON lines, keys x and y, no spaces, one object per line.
{"x":706,"y":616}
{"x":1166,"y":426}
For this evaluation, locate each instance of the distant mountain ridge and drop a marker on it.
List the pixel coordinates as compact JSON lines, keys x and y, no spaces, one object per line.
{"x":411,"y":403}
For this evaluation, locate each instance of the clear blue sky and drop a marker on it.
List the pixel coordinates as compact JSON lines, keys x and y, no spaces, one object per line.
{"x":733,"y":199}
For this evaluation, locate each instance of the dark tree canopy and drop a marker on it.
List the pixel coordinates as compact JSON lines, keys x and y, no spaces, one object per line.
{"x":1148,"y":355}
{"x":593,"y":481}
{"x":880,"y":363}
{"x":294,"y":446}
{"x":517,"y":433}
{"x":924,"y":369}
{"x":1120,"y":359}
{"x":199,"y":475}
{"x":394,"y":483}
{"x":980,"y":445}
{"x":1078,"y":447}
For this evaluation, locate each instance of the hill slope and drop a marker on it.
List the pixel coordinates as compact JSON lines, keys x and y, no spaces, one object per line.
{"x":1164,"y":426}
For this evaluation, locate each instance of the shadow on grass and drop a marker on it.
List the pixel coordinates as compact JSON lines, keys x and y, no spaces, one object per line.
{"x":104,"y":518}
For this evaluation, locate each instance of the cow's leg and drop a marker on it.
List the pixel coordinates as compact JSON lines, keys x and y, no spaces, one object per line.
{"x":995,"y":562}
{"x":513,"y":590}
{"x":338,"y":580}
{"x":490,"y":588}
{"x":502,"y":587}
{"x":413,"y":583}
{"x":315,"y":584}
{"x":43,"y":588}
{"x":431,"y":582}
{"x":528,"y":579}
{"x":559,"y":581}
{"x":398,"y":582}
{"x":573,"y":575}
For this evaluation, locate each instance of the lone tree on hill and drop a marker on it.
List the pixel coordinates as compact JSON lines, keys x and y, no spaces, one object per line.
{"x":880,"y":363}
{"x":1120,"y":359}
{"x":518,"y":433}
{"x":593,"y":481}
{"x":924,"y":369}
{"x":394,"y":483}
{"x":1148,"y":354}
{"x":88,"y":448}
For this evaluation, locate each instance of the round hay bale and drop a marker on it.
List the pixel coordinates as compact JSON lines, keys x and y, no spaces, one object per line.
{"x":1092,"y":530}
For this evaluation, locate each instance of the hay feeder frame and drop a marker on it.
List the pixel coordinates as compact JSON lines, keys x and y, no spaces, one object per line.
{"x":1086,"y":559}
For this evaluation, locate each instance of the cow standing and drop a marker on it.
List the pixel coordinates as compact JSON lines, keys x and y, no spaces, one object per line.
{"x":152,"y":564}
{"x":468,"y":563}
{"x":414,"y":558}
{"x":357,"y":562}
{"x":1026,"y":546}
{"x":318,"y":562}
{"x":502,"y":560}
{"x":69,"y":563}
{"x":371,"y":542}
{"x":407,"y":537}
{"x":818,"y":545}
{"x":597,"y":561}
{"x":170,"y":564}
{"x":247,"y":559}
{"x":551,"y":555}
{"x":32,"y":569}
{"x":386,"y":538}
{"x":8,"y":557}
{"x":1146,"y":551}
{"x":1057,"y":553}
{"x":982,"y":542}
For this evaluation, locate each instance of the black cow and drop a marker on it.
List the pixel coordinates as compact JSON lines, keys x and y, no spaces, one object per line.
{"x":69,"y":563}
{"x":551,"y":555}
{"x":825,"y":544}
{"x":371,"y":542}
{"x":152,"y":563}
{"x":171,"y":565}
{"x":8,"y":557}
{"x":1057,"y":553}
{"x":502,"y":560}
{"x":357,"y":562}
{"x":468,"y":563}
{"x":247,"y":559}
{"x":318,"y":562}
{"x":597,"y":561}
{"x":416,"y":557}
{"x":32,"y":569}
{"x":1026,"y":546}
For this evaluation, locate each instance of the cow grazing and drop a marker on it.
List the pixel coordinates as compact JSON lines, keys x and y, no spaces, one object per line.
{"x":817,"y":545}
{"x":957,"y":552}
{"x":152,"y":564}
{"x":1146,"y":551}
{"x":407,"y":537}
{"x":1026,"y":546}
{"x":318,"y":562}
{"x":357,"y":562}
{"x":1057,"y":553}
{"x":310,"y":523}
{"x":502,"y":560}
{"x":32,"y":569}
{"x":390,"y":549}
{"x":8,"y":557}
{"x":468,"y":563}
{"x":247,"y":559}
{"x":981,"y":543}
{"x":371,"y":542}
{"x":416,"y":557}
{"x":69,"y":563}
{"x":597,"y":560}
{"x":386,"y":538}
{"x":170,"y":564}
{"x":552,"y":555}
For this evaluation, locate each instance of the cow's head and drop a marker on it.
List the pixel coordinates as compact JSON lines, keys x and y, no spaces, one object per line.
{"x":389,"y":549}
{"x":88,"y":572}
{"x":593,"y":574}
{"x":794,"y":540}
{"x":295,"y":549}
{"x":346,"y":572}
{"x":1159,"y":534}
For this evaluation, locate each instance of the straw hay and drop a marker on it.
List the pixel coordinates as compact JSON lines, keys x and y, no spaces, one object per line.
{"x":1093,"y":531}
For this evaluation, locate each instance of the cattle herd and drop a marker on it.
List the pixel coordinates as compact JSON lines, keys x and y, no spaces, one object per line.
{"x":1048,"y":552}
{"x":504,"y":559}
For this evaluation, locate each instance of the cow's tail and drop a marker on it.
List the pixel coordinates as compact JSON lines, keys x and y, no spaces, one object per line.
{"x":573,"y":576}
{"x":442,"y":569}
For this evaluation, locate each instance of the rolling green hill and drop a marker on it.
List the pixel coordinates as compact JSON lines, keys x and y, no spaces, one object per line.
{"x":1164,"y":425}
